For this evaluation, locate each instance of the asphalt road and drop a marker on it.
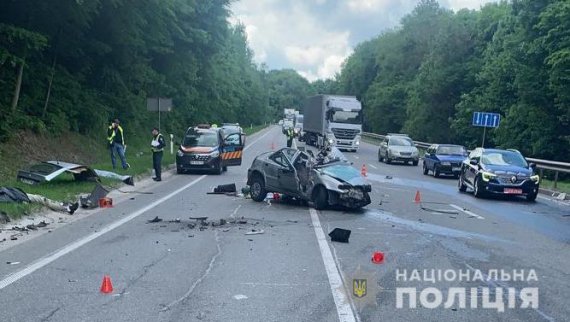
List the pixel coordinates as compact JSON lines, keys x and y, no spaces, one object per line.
{"x":168,"y":271}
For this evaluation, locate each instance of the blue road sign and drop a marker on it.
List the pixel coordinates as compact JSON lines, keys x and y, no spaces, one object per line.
{"x":486,"y":119}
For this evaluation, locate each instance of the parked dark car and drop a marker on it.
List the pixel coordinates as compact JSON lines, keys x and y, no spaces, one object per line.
{"x":208,"y":149}
{"x":444,"y":159}
{"x":499,"y":172}
{"x":328,"y":180}
{"x":398,"y":147}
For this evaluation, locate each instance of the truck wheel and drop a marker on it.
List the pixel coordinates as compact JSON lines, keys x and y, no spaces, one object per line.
{"x":320,"y":198}
{"x":257,"y":187}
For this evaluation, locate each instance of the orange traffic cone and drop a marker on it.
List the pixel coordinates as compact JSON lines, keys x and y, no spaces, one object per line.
{"x":106,"y":286}
{"x":363,"y":170}
{"x":378,"y":258}
{"x":418,"y":197}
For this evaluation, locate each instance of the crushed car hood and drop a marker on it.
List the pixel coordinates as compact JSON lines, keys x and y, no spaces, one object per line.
{"x":343,"y":173}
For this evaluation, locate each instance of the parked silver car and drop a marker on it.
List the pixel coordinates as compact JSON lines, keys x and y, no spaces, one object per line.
{"x":327,"y":180}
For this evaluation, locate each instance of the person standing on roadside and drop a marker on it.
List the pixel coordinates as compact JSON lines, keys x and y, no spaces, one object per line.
{"x":116,"y":140}
{"x":157,"y":146}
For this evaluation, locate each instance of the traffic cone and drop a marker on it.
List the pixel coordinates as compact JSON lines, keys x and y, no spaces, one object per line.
{"x":378,"y":258}
{"x":106,"y":286}
{"x":363,"y":170}
{"x":418,"y":197}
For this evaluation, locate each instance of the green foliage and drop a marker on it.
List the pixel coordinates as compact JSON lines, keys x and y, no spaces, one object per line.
{"x":101,"y":59}
{"x":427,"y":77}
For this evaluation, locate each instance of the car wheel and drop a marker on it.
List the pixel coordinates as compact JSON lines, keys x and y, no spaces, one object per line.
{"x":218,"y":169}
{"x":426,"y":171}
{"x":461,"y":184}
{"x":257,"y":188}
{"x":531,"y":197}
{"x":387,"y":159}
{"x":225,"y":169}
{"x":477,"y":192}
{"x":436,"y":172}
{"x":379,"y":157}
{"x":320,"y":198}
{"x":179,"y":170}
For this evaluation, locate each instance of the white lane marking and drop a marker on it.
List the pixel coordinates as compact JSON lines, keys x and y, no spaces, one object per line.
{"x":467,"y":211}
{"x":373,"y":166}
{"x":356,"y":157}
{"x":343,"y":308}
{"x":78,"y":243}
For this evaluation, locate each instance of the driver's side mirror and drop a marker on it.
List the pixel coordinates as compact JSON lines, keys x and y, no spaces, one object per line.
{"x":474,"y":162}
{"x":532,"y":165}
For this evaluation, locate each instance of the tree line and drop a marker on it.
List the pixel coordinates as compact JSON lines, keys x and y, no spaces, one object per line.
{"x":75,"y":65}
{"x":428,"y":76}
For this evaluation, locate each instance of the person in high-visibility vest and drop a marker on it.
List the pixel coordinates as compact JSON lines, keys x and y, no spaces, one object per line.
{"x":157,"y":146}
{"x":116,"y":140}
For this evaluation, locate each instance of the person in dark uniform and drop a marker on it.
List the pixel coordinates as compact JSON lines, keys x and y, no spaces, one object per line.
{"x":157,"y":146}
{"x":290,"y":135}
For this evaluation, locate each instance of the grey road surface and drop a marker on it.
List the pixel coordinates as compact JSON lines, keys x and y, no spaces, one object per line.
{"x":168,"y":271}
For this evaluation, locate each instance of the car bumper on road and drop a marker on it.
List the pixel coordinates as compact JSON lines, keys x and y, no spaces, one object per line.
{"x":353,"y":198}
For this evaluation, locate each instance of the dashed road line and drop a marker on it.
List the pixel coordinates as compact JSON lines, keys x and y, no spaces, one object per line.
{"x":373,"y":166}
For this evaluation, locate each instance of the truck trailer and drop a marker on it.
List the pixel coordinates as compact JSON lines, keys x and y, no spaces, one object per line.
{"x":334,"y":120}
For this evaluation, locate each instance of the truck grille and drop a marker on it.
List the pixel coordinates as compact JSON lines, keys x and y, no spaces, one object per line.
{"x":345,"y":134}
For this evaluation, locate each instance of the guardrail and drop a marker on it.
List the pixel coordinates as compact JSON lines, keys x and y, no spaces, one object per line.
{"x":541,"y":164}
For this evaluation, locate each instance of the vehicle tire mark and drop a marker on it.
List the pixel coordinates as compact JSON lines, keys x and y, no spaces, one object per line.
{"x":50,"y":315}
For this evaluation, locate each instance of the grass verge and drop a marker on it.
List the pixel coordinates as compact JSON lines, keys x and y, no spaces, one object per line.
{"x":65,"y":189}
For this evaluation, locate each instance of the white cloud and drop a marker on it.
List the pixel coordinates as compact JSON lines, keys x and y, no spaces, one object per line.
{"x":367,"y":5}
{"x":314,"y":37}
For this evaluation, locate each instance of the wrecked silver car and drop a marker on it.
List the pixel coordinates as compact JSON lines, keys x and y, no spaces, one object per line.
{"x":327,"y":180}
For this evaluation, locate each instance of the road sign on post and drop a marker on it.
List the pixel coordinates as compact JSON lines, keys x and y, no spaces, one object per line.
{"x":159,"y":104}
{"x":485,"y":120}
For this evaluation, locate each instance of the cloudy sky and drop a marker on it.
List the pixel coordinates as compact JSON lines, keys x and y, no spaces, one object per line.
{"x":315,"y":36}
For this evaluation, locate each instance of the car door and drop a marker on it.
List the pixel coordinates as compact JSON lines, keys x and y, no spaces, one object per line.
{"x":232,"y":150}
{"x":383,"y":147}
{"x":429,"y":157}
{"x":273,"y":169}
{"x":472,"y":170}
{"x":287,"y":176}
